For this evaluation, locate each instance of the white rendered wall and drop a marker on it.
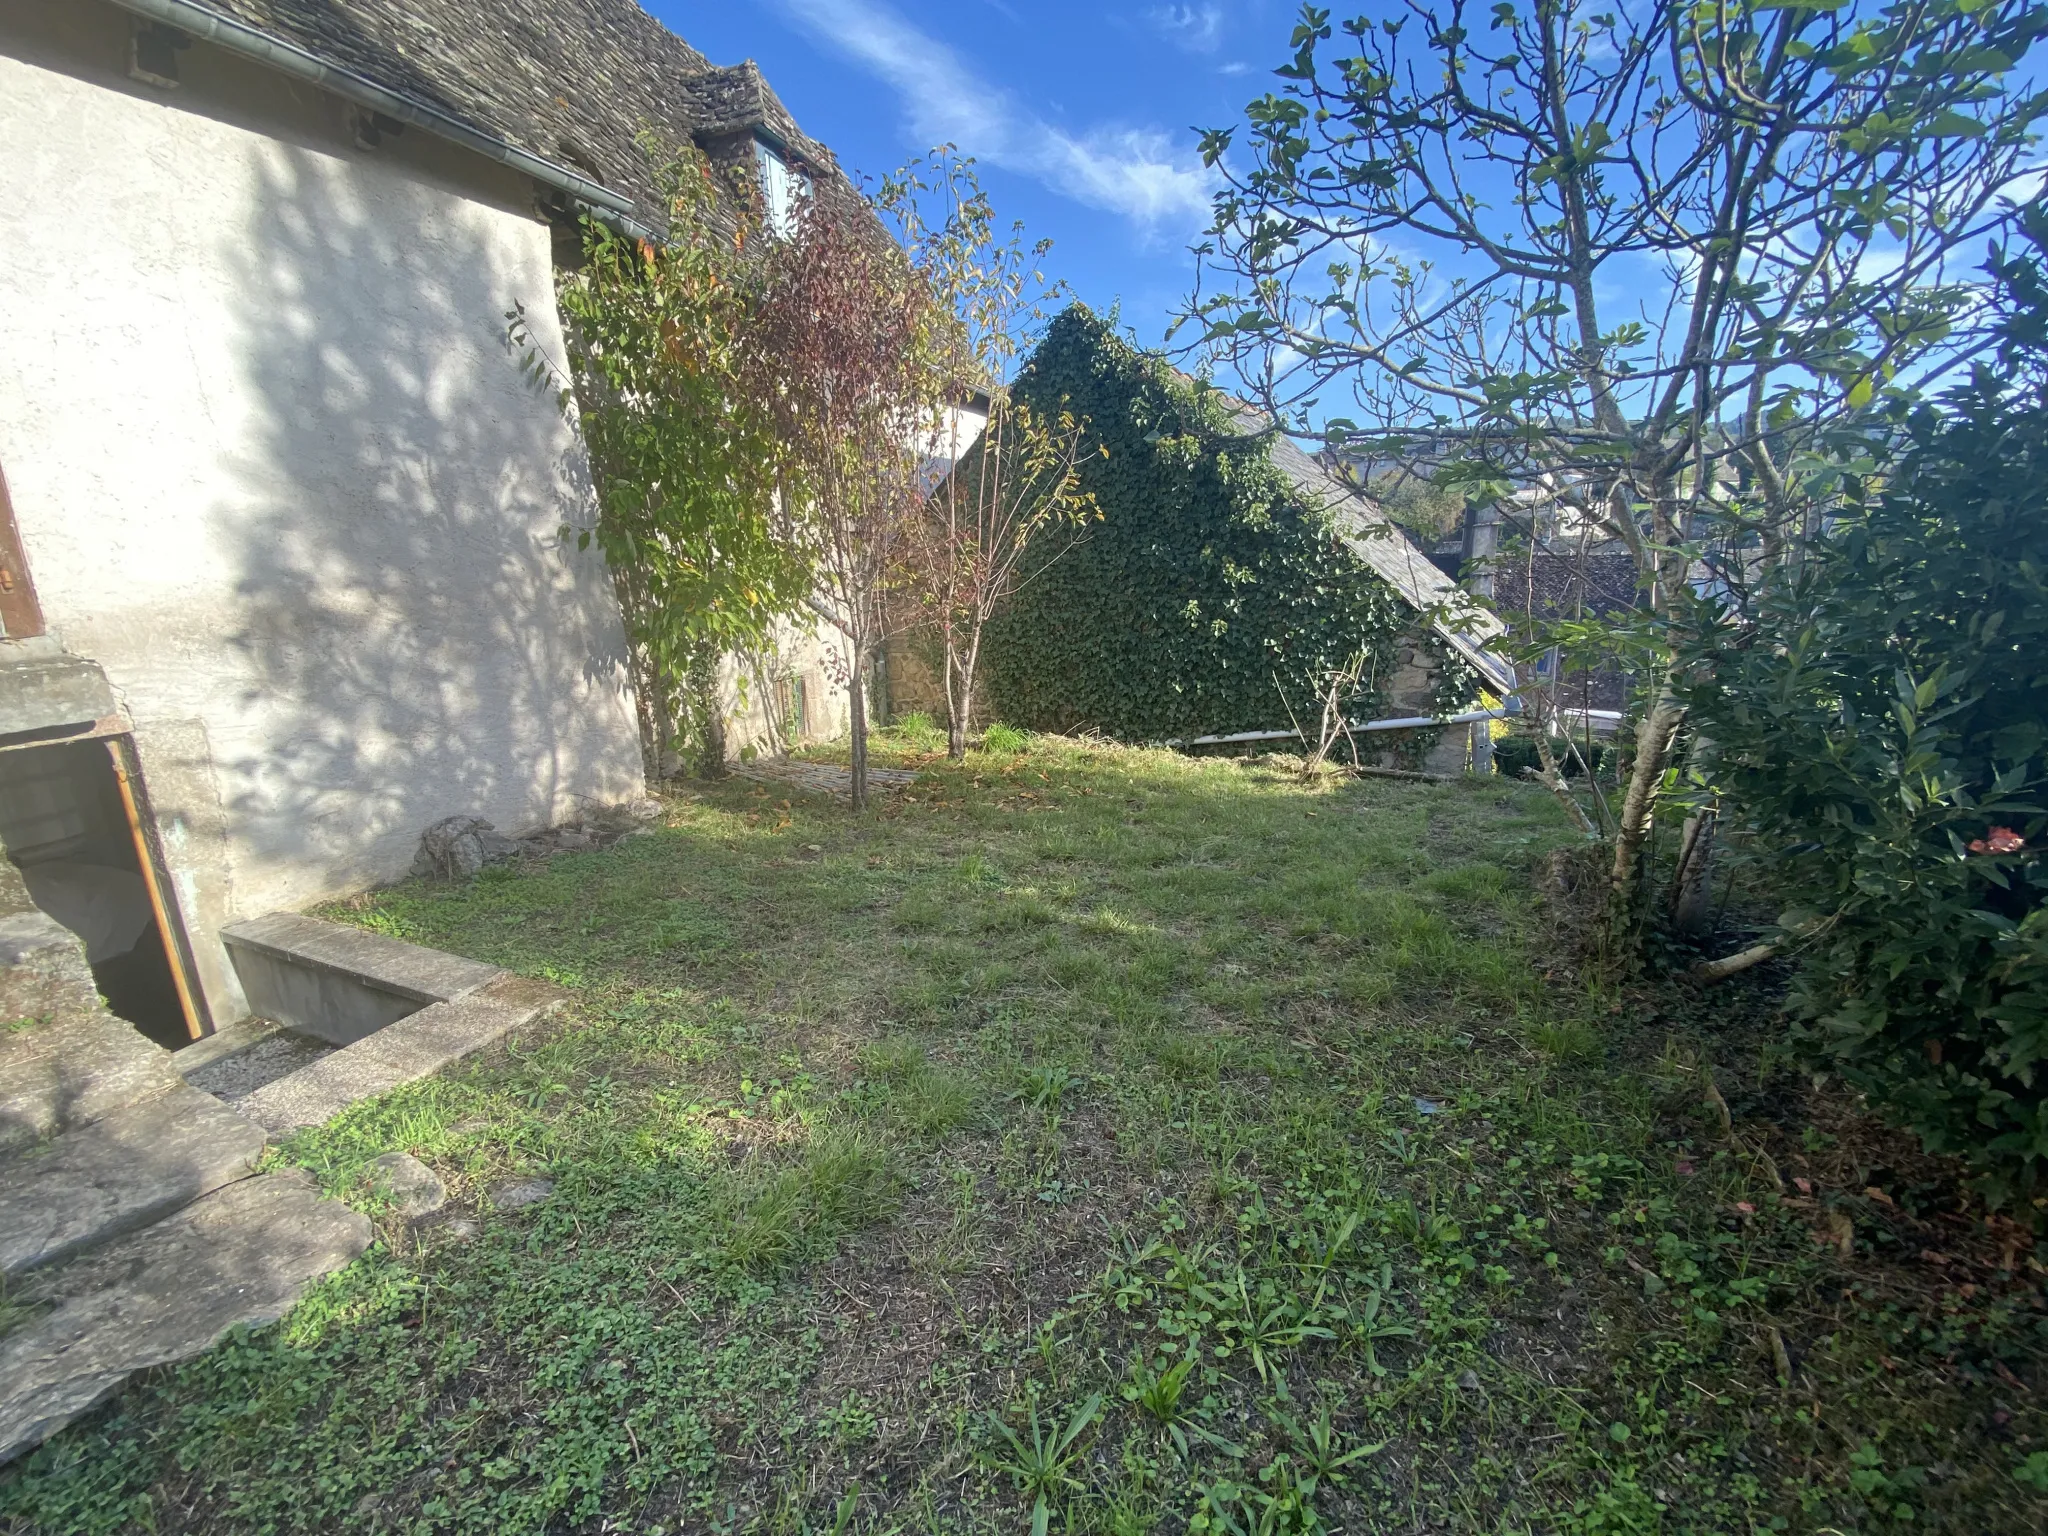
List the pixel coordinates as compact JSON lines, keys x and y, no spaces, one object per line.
{"x":275,"y":468}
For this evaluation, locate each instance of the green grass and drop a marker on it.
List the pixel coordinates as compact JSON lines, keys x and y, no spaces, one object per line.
{"x":1109,"y":1139}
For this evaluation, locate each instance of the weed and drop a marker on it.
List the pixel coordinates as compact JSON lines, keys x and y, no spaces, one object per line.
{"x":919,"y":732}
{"x":1042,"y":1468}
{"x":1005,"y":739}
{"x":1044,"y":1087}
{"x":841,"y":1181}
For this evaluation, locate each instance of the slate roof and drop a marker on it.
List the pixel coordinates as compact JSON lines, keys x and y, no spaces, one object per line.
{"x":1367,"y":531}
{"x":575,"y":82}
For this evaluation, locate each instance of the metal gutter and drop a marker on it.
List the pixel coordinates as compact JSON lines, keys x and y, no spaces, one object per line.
{"x":249,"y":42}
{"x":1399,"y":723}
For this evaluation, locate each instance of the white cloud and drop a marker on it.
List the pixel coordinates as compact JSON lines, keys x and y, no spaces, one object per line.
{"x":1197,"y":28}
{"x":1140,"y":172}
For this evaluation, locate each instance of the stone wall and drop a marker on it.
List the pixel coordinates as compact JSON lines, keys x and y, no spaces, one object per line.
{"x":277,"y":472}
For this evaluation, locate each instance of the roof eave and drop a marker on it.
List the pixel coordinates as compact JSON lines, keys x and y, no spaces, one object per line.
{"x":238,"y":37}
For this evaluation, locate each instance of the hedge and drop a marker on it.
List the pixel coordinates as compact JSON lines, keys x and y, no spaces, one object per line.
{"x":1208,"y":578}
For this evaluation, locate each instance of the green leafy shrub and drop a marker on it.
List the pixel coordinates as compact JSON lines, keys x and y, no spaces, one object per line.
{"x":1207,"y":578}
{"x":1883,"y":725}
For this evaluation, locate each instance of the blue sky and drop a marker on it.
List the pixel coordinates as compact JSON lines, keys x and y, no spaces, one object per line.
{"x":1081,"y":114}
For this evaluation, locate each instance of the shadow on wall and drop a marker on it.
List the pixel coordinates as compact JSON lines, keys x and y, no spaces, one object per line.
{"x":418,"y":641}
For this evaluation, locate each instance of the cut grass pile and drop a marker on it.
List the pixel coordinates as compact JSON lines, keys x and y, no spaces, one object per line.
{"x":1097,"y":1140}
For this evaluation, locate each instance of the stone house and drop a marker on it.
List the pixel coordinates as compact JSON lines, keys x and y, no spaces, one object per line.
{"x":282,"y":577}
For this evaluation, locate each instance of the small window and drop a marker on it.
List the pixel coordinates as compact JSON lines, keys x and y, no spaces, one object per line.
{"x":153,"y":50}
{"x":783,"y":187}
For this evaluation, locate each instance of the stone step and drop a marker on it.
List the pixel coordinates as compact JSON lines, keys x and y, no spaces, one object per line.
{"x":64,"y":1071}
{"x":242,"y":1254}
{"x":400,"y":1052}
{"x":119,"y":1173}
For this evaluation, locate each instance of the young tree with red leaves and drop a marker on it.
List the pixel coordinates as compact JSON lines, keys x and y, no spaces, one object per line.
{"x":842,"y":357}
{"x":1016,"y":489}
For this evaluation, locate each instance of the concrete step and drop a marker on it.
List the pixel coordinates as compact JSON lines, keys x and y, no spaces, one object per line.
{"x":399,"y":1053}
{"x":341,"y":983}
{"x":62,"y":1071}
{"x":123,"y":1171}
{"x":242,"y":1254}
{"x":229,"y":1040}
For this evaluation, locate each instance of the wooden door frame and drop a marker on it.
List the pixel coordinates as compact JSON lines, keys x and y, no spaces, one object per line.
{"x":149,"y":855}
{"x":21,"y":614}
{"x":117,"y":738}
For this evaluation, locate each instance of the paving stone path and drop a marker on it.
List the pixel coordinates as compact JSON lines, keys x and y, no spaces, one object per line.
{"x":822,"y":778}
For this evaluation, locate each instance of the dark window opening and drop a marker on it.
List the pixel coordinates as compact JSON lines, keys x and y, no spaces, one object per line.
{"x":153,"y":53}
{"x":371,"y":128}
{"x":66,"y":826}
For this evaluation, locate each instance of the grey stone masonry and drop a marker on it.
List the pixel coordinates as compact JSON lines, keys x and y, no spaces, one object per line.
{"x":120,"y":1173}
{"x":400,"y":1053}
{"x":243,"y":1254}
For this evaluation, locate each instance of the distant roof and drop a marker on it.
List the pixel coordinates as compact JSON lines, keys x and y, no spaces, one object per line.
{"x":573,"y":82}
{"x":1367,"y":531}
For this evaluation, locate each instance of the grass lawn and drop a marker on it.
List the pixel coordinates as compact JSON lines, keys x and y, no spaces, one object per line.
{"x":1112,"y":1138}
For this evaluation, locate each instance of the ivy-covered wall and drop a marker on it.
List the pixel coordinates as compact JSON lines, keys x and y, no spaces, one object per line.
{"x":1208,"y":577}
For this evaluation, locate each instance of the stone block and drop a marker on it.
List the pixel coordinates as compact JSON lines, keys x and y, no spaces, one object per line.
{"x":413,"y":1188}
{"x":119,"y":1173}
{"x":43,"y":969}
{"x":241,"y":1255}
{"x":42,"y":687}
{"x":70,"y":1070}
{"x":342,"y":983}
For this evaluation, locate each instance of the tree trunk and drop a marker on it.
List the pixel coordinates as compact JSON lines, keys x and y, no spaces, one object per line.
{"x":1692,"y":890}
{"x":960,"y":694}
{"x":957,"y":705}
{"x":1653,"y":741}
{"x":857,"y":699}
{"x":708,"y":710}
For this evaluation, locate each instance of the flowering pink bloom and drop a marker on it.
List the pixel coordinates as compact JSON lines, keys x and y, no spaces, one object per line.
{"x":1685,"y":1167}
{"x":2001,"y":840}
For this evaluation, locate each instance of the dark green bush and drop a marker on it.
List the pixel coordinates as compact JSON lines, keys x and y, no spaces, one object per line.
{"x":1882,"y":725}
{"x":1207,"y":578}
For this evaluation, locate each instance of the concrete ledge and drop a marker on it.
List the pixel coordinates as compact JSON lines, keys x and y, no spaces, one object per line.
{"x":339,"y":983}
{"x":401,"y":1052}
{"x":40,"y":690}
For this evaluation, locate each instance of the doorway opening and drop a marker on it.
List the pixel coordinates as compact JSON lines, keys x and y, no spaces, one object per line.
{"x":72,"y":821}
